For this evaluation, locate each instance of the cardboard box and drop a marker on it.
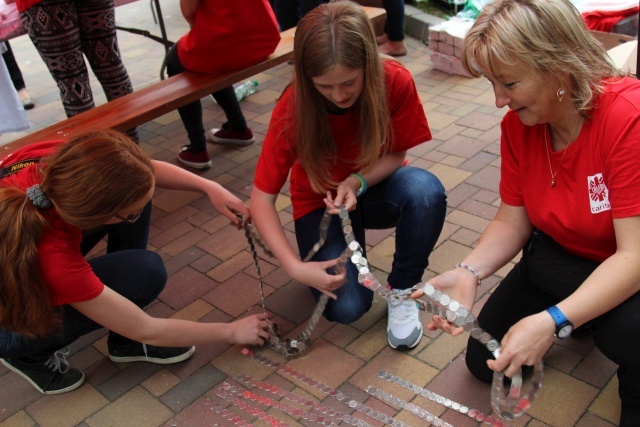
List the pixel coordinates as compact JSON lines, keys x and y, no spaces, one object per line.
{"x":622,"y":49}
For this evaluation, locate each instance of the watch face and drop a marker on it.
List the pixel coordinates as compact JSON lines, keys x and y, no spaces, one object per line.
{"x":565,"y":331}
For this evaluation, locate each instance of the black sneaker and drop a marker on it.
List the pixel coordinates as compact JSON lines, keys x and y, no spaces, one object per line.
{"x":135,"y":351}
{"x":54,"y":376}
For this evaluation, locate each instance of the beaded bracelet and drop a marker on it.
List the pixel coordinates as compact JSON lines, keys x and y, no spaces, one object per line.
{"x":363,"y":184}
{"x":469,"y":269}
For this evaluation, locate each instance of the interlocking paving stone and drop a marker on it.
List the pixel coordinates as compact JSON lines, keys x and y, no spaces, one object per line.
{"x":212,"y":277}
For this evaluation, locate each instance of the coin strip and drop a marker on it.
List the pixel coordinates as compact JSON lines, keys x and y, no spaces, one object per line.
{"x":434,"y":397}
{"x":230,"y":397}
{"x":403,"y":404}
{"x":324,"y":410}
{"x":338,"y":395}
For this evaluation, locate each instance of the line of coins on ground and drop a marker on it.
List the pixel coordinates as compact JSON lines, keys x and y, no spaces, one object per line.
{"x":507,"y":405}
{"x":229,"y":393}
{"x":338,"y":395}
{"x":318,"y":413}
{"x":403,"y":404}
{"x":434,"y":397}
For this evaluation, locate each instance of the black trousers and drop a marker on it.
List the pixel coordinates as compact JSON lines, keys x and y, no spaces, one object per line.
{"x":523,"y":293}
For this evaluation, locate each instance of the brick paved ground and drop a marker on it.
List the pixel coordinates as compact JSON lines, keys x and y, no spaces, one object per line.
{"x":212,"y":277}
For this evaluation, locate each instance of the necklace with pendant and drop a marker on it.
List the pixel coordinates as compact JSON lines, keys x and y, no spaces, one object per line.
{"x":546,"y":145}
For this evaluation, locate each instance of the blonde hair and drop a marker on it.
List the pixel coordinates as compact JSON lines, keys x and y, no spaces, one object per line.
{"x":337,"y":33}
{"x":88,"y":180}
{"x":549,"y":36}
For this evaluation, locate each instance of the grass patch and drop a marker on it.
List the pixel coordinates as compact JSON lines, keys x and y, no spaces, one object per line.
{"x":435,"y":7}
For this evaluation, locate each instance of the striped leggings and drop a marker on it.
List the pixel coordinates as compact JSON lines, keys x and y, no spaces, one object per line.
{"x":62,"y":30}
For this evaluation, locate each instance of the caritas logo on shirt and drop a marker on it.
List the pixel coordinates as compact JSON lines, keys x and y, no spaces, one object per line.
{"x":598,"y":194}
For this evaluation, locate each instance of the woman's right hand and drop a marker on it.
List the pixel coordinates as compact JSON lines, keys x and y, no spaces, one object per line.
{"x":460,"y":286}
{"x":314,"y":274}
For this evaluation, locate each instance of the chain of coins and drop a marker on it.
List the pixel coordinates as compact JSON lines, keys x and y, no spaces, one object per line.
{"x":507,"y":405}
{"x":434,"y":397}
{"x":299,"y":346}
{"x":229,"y":393}
{"x":338,"y":395}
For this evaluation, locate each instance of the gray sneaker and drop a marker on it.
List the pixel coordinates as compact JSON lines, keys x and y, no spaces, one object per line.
{"x":53,"y":376}
{"x":404,"y":328}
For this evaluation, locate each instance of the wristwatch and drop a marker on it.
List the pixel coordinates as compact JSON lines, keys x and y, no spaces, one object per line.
{"x":563,"y":326}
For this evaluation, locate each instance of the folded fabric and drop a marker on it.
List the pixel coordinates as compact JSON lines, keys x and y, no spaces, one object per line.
{"x":10,"y":23}
{"x":606,"y":20}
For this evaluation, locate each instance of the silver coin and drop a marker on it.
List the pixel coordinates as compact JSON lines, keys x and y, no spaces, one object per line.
{"x":493,"y":345}
{"x":347,"y":229}
{"x":451,"y":316}
{"x":444,"y":300}
{"x":476,"y":332}
{"x":484,"y":338}
{"x":462,"y":312}
{"x":428,"y":289}
{"x":343,"y":214}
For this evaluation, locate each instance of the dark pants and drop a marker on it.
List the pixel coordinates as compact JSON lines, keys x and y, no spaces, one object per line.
{"x":289,"y":12}
{"x":413,"y":201}
{"x":191,"y":114}
{"x":128,"y":268}
{"x":13,"y":68}
{"x":394,"y":25}
{"x":617,"y":332}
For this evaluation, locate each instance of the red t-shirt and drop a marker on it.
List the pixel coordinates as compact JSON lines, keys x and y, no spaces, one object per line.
{"x":23,"y":5}
{"x":67,"y":274}
{"x":408,"y":121}
{"x":229,"y":35}
{"x":598,"y":180}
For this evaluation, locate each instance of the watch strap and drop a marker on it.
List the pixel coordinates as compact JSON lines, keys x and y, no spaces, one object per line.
{"x":557,"y":315}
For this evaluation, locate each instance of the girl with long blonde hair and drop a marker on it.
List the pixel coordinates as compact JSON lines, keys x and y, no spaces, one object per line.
{"x":342,"y":129}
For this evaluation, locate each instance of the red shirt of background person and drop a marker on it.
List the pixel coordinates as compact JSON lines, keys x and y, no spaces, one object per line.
{"x":218,"y":42}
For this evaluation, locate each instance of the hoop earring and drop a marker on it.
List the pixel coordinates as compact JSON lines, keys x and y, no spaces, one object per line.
{"x":560,"y":94}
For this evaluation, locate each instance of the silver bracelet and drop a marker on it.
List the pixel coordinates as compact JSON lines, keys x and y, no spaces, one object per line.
{"x":469,"y":269}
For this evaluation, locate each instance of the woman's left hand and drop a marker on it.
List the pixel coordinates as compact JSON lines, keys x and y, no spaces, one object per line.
{"x":525,"y":343}
{"x":345,"y":195}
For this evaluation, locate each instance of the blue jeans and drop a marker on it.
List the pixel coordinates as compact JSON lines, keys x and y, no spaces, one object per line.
{"x":414,"y":202}
{"x":128,"y":268}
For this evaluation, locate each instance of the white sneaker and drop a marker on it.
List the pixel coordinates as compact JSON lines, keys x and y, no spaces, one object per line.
{"x":404,"y":328}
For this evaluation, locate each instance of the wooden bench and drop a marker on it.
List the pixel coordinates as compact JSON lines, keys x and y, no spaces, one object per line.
{"x":162,"y":97}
